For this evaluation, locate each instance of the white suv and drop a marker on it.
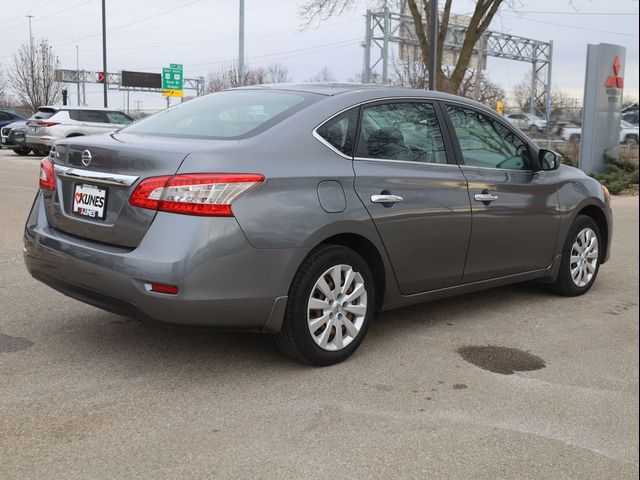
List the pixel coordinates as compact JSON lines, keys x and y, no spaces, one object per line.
{"x":49,"y":124}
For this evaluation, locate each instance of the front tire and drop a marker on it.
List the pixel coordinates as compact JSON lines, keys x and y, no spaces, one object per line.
{"x":331,"y":303}
{"x":580,"y":258}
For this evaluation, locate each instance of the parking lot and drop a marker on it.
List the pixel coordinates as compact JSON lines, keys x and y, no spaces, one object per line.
{"x":88,"y":394}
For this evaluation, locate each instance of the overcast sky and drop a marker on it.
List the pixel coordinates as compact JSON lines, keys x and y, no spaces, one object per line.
{"x":146,"y":35}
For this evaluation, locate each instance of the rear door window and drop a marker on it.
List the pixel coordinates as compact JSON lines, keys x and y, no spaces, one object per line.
{"x":402,"y":131}
{"x":92,"y":116}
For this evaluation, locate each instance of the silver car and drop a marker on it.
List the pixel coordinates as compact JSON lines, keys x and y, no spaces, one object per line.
{"x":305,"y":210}
{"x":50,"y":124}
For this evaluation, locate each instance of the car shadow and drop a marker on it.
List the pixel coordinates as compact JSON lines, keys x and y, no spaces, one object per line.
{"x":140,"y":347}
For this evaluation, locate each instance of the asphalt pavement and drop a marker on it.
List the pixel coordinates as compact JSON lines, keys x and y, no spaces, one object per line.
{"x":86,"y":394}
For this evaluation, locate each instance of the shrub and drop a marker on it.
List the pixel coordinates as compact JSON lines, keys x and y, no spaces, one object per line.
{"x":621,"y":174}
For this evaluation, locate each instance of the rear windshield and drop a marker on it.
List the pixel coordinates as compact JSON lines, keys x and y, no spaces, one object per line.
{"x":232,"y":114}
{"x":44,"y":113}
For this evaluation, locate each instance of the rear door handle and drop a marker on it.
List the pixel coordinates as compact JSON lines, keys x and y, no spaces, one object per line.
{"x":388,"y":198}
{"x":485,"y":197}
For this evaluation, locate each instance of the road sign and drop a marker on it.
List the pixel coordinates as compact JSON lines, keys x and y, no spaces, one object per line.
{"x":172,"y":80}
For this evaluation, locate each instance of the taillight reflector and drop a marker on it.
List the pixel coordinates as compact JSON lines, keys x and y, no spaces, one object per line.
{"x":162,"y":288}
{"x":208,"y":194}
{"x":47,"y":177}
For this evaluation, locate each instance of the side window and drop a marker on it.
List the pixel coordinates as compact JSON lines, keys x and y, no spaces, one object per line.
{"x":93,"y":116}
{"x":118,"y":118}
{"x":401,"y":131}
{"x":485,"y":142}
{"x":340,"y":131}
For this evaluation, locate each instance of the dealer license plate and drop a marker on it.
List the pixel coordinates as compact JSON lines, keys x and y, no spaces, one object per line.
{"x":90,"y":201}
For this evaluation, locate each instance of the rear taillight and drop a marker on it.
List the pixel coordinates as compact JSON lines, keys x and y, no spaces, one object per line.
{"x":46,"y":124}
{"x":208,"y":194}
{"x":47,"y":178}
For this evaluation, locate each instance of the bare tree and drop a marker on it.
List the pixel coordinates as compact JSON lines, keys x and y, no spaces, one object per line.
{"x":33,"y":75}
{"x":324,"y":75}
{"x":228,"y":76}
{"x":483,"y":13}
{"x":276,"y":73}
{"x":3,"y":88}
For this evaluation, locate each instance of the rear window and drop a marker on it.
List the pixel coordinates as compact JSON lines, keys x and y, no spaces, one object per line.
{"x":224,"y":115}
{"x":44,"y":113}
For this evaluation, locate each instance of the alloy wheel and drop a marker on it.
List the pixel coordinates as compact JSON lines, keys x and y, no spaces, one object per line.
{"x":337,"y":307}
{"x":584,"y":257}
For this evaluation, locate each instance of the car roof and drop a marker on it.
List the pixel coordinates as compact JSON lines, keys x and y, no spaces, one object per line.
{"x":70,"y":107}
{"x":332,"y":89}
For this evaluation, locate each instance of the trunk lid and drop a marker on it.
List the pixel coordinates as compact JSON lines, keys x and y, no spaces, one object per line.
{"x":100,"y":173}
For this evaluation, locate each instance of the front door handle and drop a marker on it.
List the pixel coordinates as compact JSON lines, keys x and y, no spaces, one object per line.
{"x":485,"y":197}
{"x":386,"y":198}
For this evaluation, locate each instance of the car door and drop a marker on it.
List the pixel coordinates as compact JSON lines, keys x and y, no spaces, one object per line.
{"x":515,"y":206}
{"x":93,"y":122}
{"x":407,"y":179}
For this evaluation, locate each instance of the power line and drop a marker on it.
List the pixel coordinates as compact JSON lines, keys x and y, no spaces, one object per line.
{"x":37,"y":19}
{"x":576,"y":27}
{"x":600,"y":14}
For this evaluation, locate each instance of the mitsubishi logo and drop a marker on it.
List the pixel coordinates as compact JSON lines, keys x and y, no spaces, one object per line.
{"x":615,"y":80}
{"x":86,"y":158}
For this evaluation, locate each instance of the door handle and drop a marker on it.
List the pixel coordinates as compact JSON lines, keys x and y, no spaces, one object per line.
{"x":485,"y":197}
{"x":386,"y":198}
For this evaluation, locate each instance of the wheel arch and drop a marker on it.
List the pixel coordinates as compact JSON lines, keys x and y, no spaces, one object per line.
{"x":598,"y":216}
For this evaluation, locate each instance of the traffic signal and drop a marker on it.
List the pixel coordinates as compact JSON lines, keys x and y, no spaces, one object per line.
{"x":102,"y":77}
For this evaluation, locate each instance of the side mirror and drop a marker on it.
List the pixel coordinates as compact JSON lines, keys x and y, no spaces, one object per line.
{"x":548,"y":160}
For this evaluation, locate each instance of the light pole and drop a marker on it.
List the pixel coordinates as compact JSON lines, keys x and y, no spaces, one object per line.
{"x":78,"y":74}
{"x":241,"y":44}
{"x":433,"y":39}
{"x":104,"y":54}
{"x":30,"y":36}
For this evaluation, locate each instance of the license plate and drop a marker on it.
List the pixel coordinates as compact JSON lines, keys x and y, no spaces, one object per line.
{"x":33,"y":129}
{"x":90,"y":201}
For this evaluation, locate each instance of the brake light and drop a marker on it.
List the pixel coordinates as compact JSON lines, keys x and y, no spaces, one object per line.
{"x":46,"y":124}
{"x":47,"y":177}
{"x":207,"y":194}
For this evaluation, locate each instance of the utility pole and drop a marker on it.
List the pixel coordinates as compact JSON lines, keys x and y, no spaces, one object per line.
{"x":104,"y":54}
{"x":78,"y":75}
{"x":433,"y":39}
{"x":241,"y":44}
{"x":30,"y":36}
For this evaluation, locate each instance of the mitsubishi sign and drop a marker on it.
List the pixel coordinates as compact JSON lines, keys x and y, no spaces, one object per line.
{"x":602,"y":104}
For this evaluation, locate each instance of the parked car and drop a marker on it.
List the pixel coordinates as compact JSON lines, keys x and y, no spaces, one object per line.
{"x":630,"y":114}
{"x":303,"y":211}
{"x":13,"y":136}
{"x":49,"y":124}
{"x":628,"y":133}
{"x":7,"y":117}
{"x":527,"y":122}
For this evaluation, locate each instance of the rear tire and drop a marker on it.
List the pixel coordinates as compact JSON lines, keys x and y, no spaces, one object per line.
{"x":581,"y":255}
{"x":24,"y":151}
{"x":333,"y":330}
{"x":41,"y":152}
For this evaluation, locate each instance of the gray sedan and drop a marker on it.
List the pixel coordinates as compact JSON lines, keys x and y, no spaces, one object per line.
{"x":304,"y":210}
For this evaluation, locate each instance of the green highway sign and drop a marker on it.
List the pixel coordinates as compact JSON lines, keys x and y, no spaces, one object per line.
{"x":172,"y":80}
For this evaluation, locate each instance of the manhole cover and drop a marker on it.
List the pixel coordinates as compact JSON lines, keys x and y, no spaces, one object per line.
{"x":501,"y":359}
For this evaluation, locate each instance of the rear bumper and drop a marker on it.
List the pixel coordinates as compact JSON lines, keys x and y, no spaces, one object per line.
{"x":41,"y":141}
{"x":223,"y":281}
